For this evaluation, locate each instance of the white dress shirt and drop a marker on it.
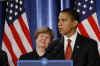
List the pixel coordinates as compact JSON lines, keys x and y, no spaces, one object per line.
{"x":72,"y":38}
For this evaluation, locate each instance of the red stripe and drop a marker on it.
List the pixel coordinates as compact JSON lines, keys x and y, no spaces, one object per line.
{"x":94,"y":27}
{"x":17,"y":39}
{"x":25,"y":30}
{"x":9,"y":47}
{"x":82,"y":30}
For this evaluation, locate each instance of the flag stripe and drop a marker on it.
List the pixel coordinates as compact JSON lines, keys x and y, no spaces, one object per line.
{"x":25,"y":30}
{"x":13,"y":42}
{"x":96,"y":20}
{"x":82,"y":30}
{"x":24,"y":17}
{"x":17,"y":38}
{"x":22,"y":36}
{"x":8,"y":53}
{"x":88,"y":28}
{"x":94,"y":26}
{"x":9,"y":47}
{"x":88,"y":18}
{"x":25,"y":20}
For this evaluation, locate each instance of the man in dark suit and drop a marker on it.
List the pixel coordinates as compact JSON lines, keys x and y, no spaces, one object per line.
{"x":3,"y":58}
{"x":83,"y":51}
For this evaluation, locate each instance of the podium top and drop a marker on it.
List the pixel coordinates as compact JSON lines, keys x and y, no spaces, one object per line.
{"x":45,"y":62}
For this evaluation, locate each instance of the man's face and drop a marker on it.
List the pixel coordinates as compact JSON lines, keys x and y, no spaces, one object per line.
{"x":43,"y":40}
{"x":66,"y":24}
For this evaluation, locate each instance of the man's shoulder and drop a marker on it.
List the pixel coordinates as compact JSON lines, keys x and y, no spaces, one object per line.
{"x":2,"y":53}
{"x":86,"y":40}
{"x":58,"y":40}
{"x":55,"y":44}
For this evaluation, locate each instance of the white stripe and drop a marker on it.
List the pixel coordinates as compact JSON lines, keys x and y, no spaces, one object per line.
{"x":8,"y":54}
{"x":89,"y":30}
{"x":99,"y":47}
{"x":62,"y":4}
{"x":13,"y":42}
{"x":78,"y":30}
{"x":22,"y":36}
{"x":96,"y":20}
{"x":39,"y":13}
{"x":50,"y":15}
{"x":25,"y":20}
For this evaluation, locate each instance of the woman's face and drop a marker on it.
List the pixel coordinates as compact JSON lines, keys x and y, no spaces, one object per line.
{"x":43,"y":40}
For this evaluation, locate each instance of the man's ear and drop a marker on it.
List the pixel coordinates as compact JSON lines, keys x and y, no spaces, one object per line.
{"x":75,"y":23}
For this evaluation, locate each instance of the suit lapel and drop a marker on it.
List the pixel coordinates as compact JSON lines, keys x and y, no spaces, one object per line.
{"x":75,"y":54}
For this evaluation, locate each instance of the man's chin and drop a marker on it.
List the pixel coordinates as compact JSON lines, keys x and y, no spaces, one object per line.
{"x":43,"y":47}
{"x":62,"y":33}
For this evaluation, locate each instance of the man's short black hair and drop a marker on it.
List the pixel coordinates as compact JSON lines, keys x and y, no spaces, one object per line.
{"x":72,"y":12}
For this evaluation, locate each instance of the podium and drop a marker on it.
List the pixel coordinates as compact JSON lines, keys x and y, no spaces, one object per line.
{"x":45,"y":62}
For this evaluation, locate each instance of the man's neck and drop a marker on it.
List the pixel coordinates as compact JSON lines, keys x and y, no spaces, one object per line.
{"x":70,"y":34}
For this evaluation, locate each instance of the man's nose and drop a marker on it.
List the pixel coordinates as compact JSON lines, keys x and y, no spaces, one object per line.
{"x":59,"y":24}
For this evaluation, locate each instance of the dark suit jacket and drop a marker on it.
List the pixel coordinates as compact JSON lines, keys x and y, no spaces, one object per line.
{"x":85,"y":51}
{"x":3,"y":58}
{"x":30,"y":56}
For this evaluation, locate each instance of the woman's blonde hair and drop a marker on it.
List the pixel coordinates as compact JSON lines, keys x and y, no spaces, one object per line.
{"x":46,"y":30}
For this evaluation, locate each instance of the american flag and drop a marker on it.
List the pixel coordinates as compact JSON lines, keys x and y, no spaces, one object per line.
{"x":16,"y":36}
{"x":88,"y":26}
